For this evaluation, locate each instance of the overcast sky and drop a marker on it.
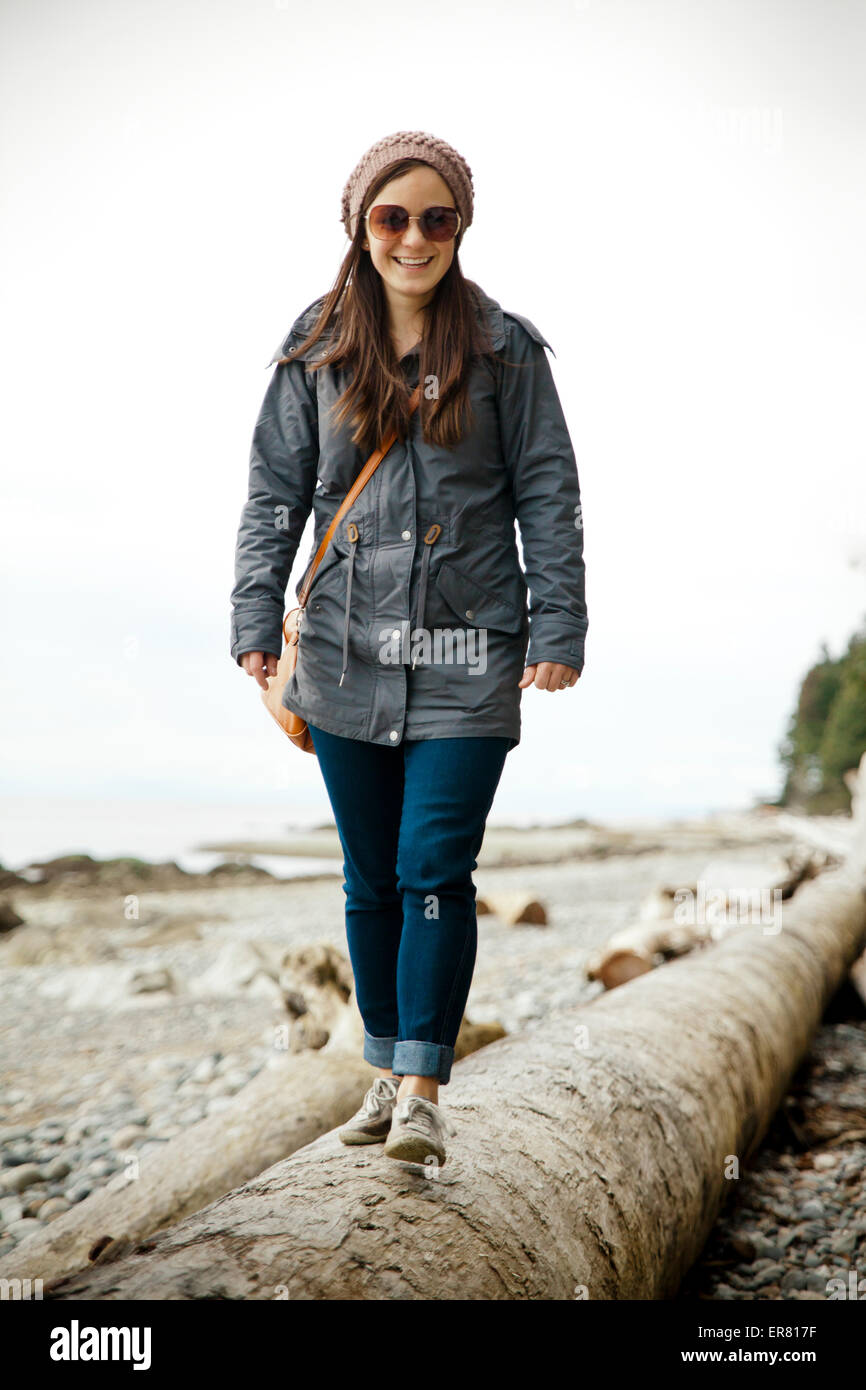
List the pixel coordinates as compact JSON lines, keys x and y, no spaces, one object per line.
{"x":673,"y":193}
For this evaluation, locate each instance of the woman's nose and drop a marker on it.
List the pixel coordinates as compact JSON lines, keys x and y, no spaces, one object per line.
{"x":413,"y":237}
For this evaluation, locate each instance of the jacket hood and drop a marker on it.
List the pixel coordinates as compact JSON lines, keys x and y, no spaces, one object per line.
{"x":490,"y":311}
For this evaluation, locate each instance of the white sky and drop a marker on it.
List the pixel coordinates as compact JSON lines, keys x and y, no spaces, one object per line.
{"x":674,"y":194}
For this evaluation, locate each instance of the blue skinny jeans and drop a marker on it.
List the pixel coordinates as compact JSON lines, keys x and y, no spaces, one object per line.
{"x":411,"y":822}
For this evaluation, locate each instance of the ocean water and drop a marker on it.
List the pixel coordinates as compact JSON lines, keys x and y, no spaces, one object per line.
{"x":39,"y":828}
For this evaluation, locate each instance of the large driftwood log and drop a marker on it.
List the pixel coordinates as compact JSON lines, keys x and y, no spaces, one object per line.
{"x":591,"y":1158}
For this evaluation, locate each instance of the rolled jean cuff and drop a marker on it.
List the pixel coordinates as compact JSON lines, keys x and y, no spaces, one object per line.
{"x":423,"y":1059}
{"x":378,"y":1051}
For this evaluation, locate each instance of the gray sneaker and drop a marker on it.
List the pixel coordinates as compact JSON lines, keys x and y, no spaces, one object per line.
{"x":417,"y":1131}
{"x":371,"y":1123}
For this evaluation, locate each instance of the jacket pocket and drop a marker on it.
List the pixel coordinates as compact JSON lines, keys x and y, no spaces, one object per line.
{"x":474,"y":604}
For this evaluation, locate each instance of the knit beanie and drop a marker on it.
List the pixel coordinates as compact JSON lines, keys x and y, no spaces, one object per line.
{"x":408,"y":144}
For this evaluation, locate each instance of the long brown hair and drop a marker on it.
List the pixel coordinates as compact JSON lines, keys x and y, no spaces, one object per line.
{"x":377,"y":397}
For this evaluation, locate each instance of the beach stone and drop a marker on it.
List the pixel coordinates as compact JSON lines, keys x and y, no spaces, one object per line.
{"x":17,"y":1179}
{"x":206,"y":1069}
{"x":84,"y":1126}
{"x":844,"y":1244}
{"x":123,"y":1138}
{"x":823,"y":1162}
{"x":16,"y":1158}
{"x":101,"y":1167}
{"x":10,"y":1208}
{"x":13,"y":1133}
{"x":20,"y":1229}
{"x":191,"y":1115}
{"x":768,"y":1249}
{"x":768,"y":1275}
{"x":57,"y":1168}
{"x":810,"y":1231}
{"x":812,"y":1209}
{"x":233,"y":1081}
{"x":54,"y":1206}
{"x":31,"y":1208}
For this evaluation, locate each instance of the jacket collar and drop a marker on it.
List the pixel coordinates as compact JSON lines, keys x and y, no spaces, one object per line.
{"x":488,"y":310}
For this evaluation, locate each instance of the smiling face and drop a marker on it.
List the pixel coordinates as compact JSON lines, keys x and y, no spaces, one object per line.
{"x":411,"y":266}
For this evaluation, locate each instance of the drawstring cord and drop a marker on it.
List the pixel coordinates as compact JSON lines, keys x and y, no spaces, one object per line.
{"x":353,"y":534}
{"x":430,"y":539}
{"x":433,"y":534}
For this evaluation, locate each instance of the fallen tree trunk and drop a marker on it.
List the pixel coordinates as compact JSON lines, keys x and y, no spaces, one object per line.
{"x":591,"y":1157}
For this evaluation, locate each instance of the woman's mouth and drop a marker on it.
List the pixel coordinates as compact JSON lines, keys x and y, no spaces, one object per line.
{"x":413,"y":262}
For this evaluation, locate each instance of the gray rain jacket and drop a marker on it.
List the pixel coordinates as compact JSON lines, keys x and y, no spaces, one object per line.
{"x":417,"y":623}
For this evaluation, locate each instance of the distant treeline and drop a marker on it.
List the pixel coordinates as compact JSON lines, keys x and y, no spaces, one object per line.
{"x":827,"y":733}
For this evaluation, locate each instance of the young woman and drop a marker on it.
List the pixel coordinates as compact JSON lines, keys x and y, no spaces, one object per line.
{"x":416,"y":643}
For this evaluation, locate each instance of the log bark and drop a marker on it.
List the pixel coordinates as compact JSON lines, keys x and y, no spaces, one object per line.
{"x":591,"y":1157}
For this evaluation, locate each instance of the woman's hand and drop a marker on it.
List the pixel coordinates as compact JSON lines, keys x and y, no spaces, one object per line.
{"x":260,"y":665}
{"x":549,"y":675}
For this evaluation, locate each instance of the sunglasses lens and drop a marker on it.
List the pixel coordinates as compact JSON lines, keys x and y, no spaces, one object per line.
{"x":439,"y":224}
{"x":387,"y":221}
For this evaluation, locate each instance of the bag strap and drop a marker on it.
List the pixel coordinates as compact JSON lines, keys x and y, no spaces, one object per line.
{"x":357,"y":487}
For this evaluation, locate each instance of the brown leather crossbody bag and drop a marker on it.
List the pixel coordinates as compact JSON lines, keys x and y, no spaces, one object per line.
{"x":292,"y":724}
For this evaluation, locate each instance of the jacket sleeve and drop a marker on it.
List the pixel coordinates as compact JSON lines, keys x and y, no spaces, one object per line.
{"x":283,"y":468}
{"x":546,"y":491}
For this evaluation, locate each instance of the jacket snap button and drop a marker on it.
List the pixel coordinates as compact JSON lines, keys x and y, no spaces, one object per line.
{"x":393,"y":734}
{"x":396,"y":632}
{"x":470,"y":612}
{"x":407,"y":535}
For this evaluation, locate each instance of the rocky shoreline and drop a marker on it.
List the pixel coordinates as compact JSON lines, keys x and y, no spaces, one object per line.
{"x":122,"y":1030}
{"x":795,"y":1227}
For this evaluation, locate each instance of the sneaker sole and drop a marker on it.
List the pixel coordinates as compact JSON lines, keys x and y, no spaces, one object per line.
{"x":412,"y":1148}
{"x":358,"y":1137}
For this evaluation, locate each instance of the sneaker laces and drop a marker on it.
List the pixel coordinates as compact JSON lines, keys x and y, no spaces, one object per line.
{"x":381,"y":1093}
{"x":420,"y":1115}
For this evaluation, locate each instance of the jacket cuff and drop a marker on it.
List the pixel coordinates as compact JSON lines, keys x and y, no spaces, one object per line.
{"x":257,"y":629}
{"x":556,"y":644}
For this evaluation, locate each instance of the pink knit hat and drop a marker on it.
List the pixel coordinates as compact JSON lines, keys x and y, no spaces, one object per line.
{"x":409,"y":144}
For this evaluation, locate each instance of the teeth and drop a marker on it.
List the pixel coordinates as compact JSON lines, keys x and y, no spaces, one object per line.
{"x":409,"y":260}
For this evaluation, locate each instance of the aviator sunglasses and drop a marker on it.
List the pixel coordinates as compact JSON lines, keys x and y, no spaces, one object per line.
{"x":388,"y":221}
